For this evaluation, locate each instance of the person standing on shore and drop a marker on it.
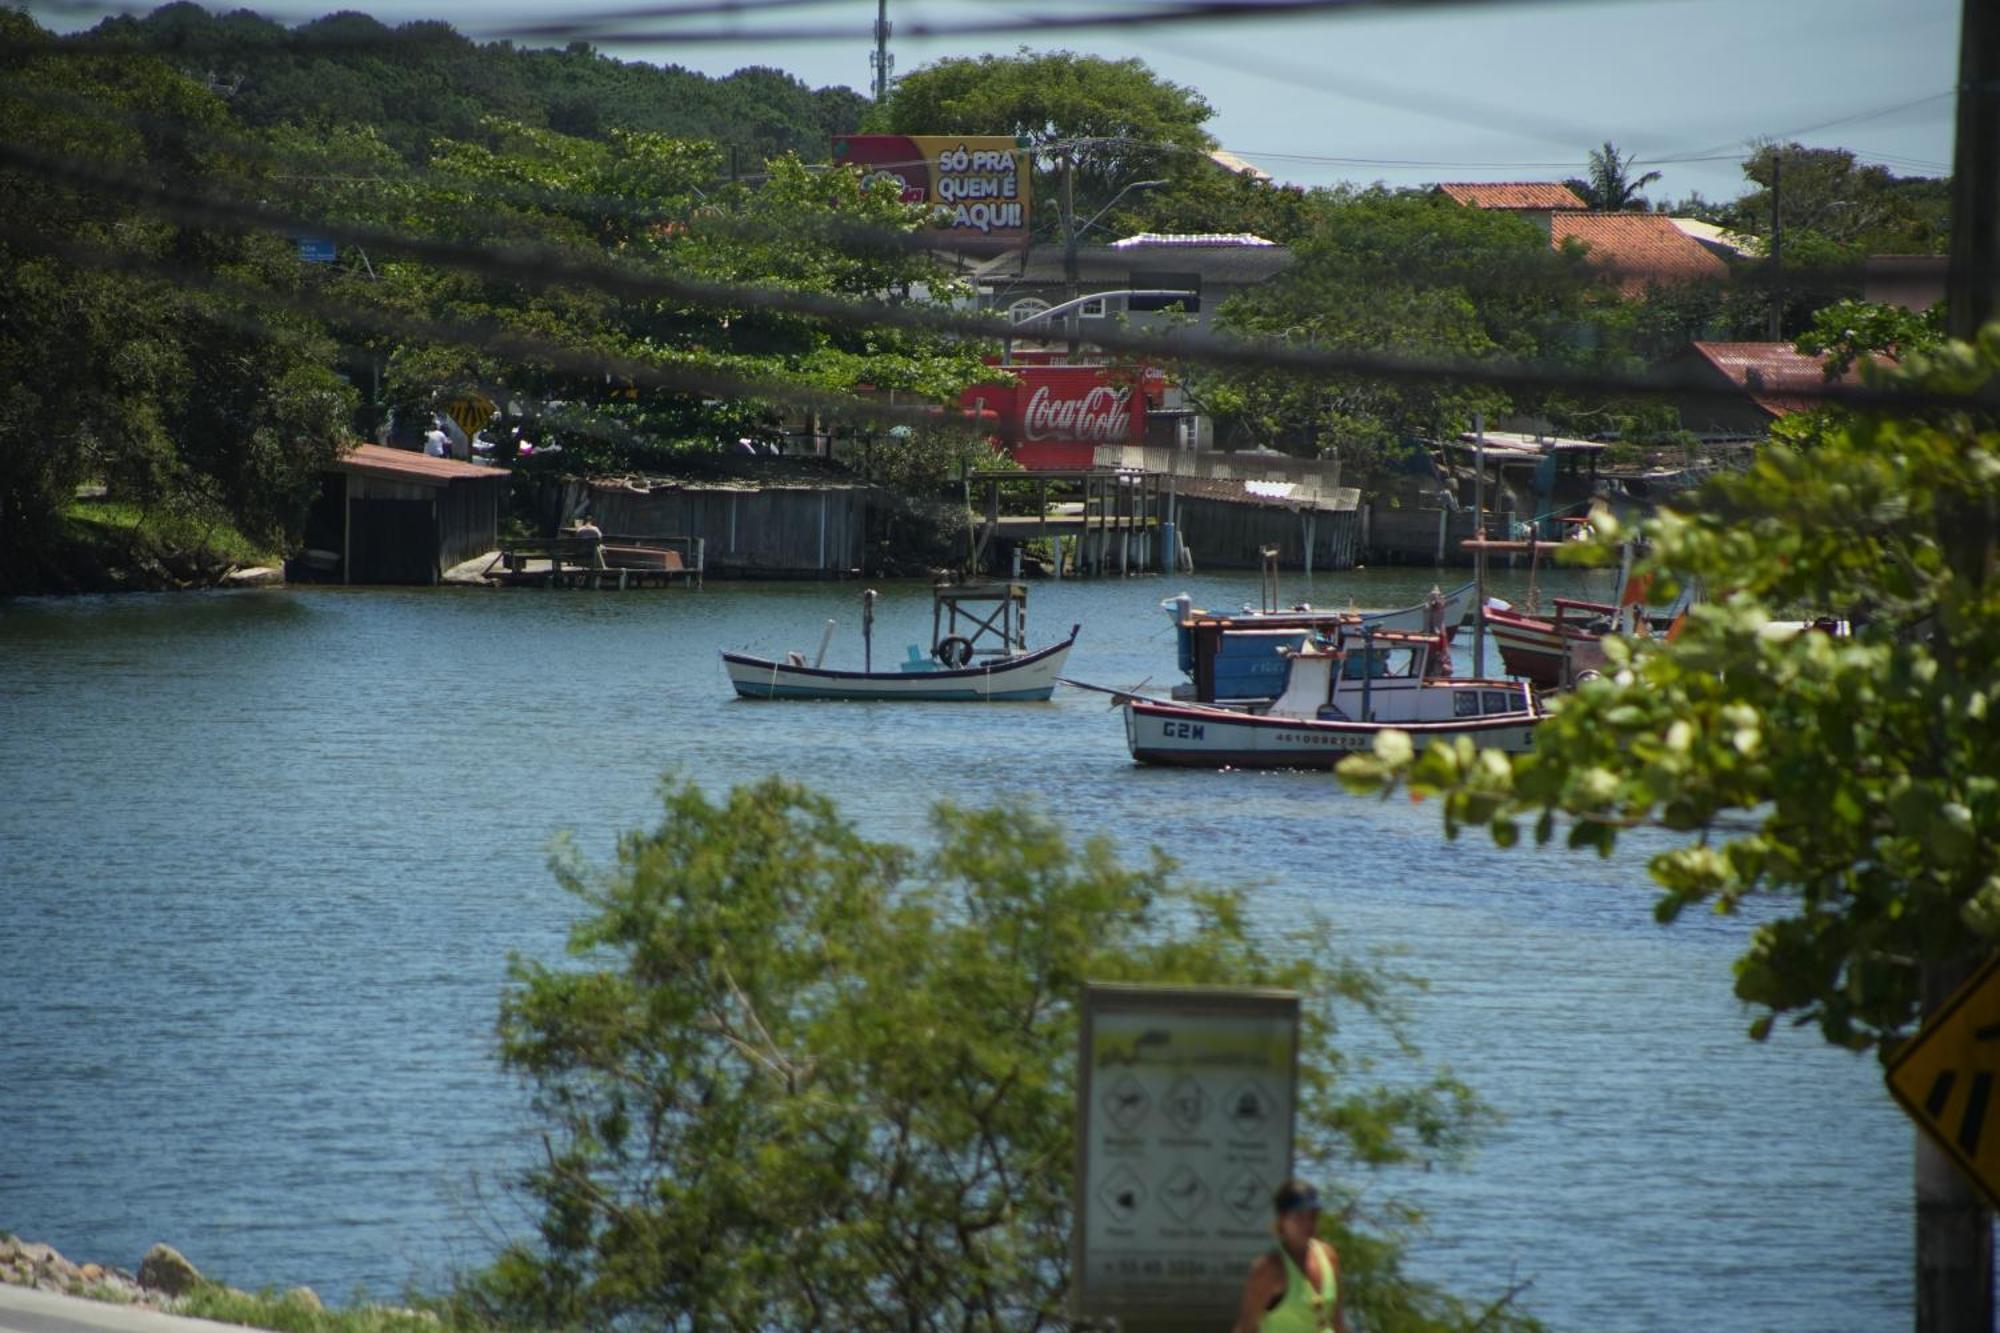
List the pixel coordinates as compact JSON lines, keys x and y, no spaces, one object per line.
{"x":1296,"y":1287}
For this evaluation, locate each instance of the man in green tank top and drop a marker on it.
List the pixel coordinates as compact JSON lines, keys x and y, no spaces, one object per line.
{"x":1296,"y":1287}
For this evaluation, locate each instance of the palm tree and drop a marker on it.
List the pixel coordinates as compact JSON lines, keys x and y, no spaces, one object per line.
{"x":1611,"y":188}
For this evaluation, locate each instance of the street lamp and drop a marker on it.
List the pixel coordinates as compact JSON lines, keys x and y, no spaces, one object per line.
{"x":1072,"y":231}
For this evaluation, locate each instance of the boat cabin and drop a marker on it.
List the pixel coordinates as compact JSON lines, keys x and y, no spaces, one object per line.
{"x":1387,"y":676}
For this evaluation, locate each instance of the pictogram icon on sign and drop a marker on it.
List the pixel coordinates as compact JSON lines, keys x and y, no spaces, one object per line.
{"x":1127,"y":1103}
{"x":1249,"y":1108}
{"x":1185,"y":1104}
{"x":1945,"y":1077}
{"x":1183,"y":1193}
{"x":1122,"y":1194}
{"x":1246,"y":1199}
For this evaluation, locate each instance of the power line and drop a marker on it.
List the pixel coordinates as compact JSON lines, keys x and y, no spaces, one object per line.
{"x":1188,"y":12}
{"x":541,"y":267}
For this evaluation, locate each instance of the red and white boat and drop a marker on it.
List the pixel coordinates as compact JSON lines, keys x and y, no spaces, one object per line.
{"x":1548,"y":650}
{"x":1335,"y":703}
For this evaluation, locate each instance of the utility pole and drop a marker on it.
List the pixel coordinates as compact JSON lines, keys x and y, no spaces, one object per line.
{"x":1974,"y":280}
{"x":880,"y":57}
{"x":1954,"y":1226}
{"x":1777,"y":247}
{"x":1069,"y":237}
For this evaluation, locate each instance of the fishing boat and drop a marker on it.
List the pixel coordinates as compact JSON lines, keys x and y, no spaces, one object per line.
{"x":974,"y":657}
{"x":1549,"y":650}
{"x":1336,"y":701}
{"x":1236,"y":659}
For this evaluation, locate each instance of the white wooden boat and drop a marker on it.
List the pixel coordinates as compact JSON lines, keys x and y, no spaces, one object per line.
{"x":1335,"y":703}
{"x":1021,"y":677}
{"x":983,"y":659}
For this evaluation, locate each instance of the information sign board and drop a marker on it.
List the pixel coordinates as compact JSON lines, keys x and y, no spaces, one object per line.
{"x":977,"y":185}
{"x":1185,"y":1117}
{"x":1945,"y":1076}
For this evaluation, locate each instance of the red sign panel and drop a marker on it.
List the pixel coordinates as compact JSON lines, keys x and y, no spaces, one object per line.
{"x":1057,"y":415}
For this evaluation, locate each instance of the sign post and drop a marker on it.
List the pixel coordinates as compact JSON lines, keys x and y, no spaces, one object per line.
{"x":1185,"y":1110}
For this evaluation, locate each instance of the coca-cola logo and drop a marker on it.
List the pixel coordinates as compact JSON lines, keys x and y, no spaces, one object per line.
{"x":1100,"y":416}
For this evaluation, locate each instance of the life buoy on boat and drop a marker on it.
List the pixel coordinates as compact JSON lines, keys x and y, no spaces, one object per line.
{"x":954,"y":650}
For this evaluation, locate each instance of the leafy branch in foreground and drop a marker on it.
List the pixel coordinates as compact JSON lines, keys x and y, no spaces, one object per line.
{"x":796,"y":1078}
{"x":1856,"y":777}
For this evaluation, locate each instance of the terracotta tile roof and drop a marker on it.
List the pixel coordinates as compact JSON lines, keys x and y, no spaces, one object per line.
{"x":375,"y":460}
{"x":1640,"y":247}
{"x":1512,"y":194}
{"x":1765,"y":370}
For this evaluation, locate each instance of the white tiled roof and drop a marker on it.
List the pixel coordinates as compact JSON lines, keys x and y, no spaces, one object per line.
{"x":1190,"y":238}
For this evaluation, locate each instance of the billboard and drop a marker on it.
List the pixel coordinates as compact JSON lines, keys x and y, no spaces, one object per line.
{"x":977,"y":183}
{"x":1185,"y":1110}
{"x":1056,"y":416}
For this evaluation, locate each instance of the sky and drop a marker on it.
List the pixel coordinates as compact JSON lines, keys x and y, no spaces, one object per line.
{"x":1407,"y":94}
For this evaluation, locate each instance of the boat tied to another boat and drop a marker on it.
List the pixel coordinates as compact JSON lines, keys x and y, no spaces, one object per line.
{"x":1335,"y":702}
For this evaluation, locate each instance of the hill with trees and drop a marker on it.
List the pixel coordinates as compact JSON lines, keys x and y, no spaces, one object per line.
{"x":419,"y":81}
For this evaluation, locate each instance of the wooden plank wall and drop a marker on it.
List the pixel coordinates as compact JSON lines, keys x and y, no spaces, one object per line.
{"x":1228,"y":534}
{"x":1410,"y":536}
{"x":777,"y":532}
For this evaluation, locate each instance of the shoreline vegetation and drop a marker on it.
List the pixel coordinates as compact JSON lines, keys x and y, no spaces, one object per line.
{"x":105,"y":545}
{"x":166,"y":1282}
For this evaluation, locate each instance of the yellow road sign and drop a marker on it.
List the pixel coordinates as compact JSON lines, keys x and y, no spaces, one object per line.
{"x":1946,"y":1077}
{"x":471,"y":411}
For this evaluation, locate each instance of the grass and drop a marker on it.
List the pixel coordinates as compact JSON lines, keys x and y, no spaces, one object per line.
{"x":107,"y":522}
{"x":289,"y":1313}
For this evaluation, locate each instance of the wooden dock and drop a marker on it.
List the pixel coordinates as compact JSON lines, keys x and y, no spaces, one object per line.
{"x":1096,"y":521}
{"x":612,"y":562}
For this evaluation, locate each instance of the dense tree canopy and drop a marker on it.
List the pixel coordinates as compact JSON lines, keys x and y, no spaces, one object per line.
{"x":1414,"y":275}
{"x":418,"y":81}
{"x":130,"y":358}
{"x":797,"y":1079}
{"x":165,"y":340}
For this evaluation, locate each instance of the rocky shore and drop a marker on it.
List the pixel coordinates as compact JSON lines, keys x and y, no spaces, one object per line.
{"x":164,"y":1276}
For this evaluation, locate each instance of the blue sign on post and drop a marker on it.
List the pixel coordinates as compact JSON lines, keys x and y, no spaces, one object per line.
{"x":316,"y":249}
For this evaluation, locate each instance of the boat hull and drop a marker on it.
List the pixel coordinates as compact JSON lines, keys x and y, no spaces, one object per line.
{"x":1534,"y":649}
{"x":1197,"y":737}
{"x":1028,"y":678}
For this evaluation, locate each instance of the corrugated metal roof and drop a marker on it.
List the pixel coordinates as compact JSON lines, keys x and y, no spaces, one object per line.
{"x":1219,"y":238}
{"x":1765,"y":370}
{"x":1715,"y":237}
{"x":1239,"y":491}
{"x":1104,"y":267}
{"x":374,"y":460}
{"x":1513,"y":194}
{"x":1228,"y":161}
{"x":1642,"y":247}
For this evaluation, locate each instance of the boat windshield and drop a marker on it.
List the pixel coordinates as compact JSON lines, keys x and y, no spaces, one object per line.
{"x":1379,"y":664}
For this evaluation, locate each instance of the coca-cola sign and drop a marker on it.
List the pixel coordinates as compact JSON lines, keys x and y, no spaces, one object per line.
{"x":1056,"y":416}
{"x":1100,"y":415}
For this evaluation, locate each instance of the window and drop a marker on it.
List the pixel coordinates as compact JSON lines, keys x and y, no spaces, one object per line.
{"x":1502,"y":701}
{"x":1465,"y":703}
{"x":1159,"y":280}
{"x":1091,"y":309}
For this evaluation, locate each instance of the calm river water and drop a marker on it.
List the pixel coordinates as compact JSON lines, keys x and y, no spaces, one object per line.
{"x":264,"y":855}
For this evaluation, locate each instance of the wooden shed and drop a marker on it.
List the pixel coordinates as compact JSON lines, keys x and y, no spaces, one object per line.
{"x":392,"y":516}
{"x":784,"y":530}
